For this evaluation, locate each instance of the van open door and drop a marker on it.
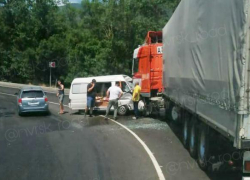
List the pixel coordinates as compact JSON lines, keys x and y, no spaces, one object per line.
{"x":78,"y":96}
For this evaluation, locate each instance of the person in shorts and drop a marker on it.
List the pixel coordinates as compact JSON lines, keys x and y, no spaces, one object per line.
{"x":114,"y":93}
{"x":91,"y":93}
{"x":60,"y":96}
{"x":136,"y":99}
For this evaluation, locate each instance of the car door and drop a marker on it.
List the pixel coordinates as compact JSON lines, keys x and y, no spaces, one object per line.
{"x":78,"y":96}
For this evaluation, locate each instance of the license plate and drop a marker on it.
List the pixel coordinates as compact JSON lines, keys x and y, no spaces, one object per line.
{"x":33,"y":104}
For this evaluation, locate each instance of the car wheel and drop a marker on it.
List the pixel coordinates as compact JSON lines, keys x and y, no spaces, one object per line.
{"x":20,"y":113}
{"x":122,"y":110}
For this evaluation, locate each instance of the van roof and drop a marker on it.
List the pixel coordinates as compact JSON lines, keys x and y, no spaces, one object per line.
{"x":109,"y":78}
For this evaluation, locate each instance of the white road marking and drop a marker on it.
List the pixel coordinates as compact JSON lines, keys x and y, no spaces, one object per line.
{"x":31,"y":85}
{"x":153,"y":159}
{"x":56,"y":103}
{"x":8,"y":94}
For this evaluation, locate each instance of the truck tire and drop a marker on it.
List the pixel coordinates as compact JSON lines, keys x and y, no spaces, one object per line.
{"x":193,"y":138}
{"x":122,"y":110}
{"x":168,"y":107}
{"x":186,"y":130}
{"x":203,"y":147}
{"x":175,"y":114}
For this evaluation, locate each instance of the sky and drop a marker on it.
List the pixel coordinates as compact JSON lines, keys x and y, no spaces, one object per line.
{"x":71,"y":1}
{"x":75,"y":1}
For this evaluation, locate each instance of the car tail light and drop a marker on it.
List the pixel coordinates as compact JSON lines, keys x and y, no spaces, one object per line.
{"x":46,"y":99}
{"x":20,"y":101}
{"x":247,"y":165}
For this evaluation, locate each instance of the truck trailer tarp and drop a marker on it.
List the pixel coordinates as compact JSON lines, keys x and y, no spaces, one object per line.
{"x":206,"y":62}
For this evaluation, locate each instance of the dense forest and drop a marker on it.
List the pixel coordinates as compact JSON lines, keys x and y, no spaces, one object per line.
{"x":96,"y":37}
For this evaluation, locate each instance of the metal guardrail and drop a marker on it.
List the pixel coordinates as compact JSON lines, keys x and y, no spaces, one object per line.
{"x":18,"y":86}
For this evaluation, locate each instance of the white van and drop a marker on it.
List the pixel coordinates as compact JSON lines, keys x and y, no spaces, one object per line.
{"x":78,"y":92}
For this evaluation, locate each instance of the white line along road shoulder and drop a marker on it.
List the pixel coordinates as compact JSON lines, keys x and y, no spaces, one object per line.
{"x":15,"y":96}
{"x":8,"y":94}
{"x":153,"y":159}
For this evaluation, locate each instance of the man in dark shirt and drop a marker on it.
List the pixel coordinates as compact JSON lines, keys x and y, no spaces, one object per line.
{"x":60,"y":96}
{"x":91,"y":93}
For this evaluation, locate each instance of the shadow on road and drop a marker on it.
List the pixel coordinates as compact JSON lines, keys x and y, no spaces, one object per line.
{"x":212,"y":175}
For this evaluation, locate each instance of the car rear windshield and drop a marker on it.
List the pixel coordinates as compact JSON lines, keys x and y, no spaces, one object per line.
{"x":32,"y":94}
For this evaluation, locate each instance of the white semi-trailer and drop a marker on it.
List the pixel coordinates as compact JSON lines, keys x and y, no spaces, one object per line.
{"x":206,"y":79}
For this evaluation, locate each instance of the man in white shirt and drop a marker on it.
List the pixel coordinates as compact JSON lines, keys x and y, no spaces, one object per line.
{"x":114,"y":93}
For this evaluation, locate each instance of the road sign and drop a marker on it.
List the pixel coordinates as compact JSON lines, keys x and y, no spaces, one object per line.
{"x":52,"y":64}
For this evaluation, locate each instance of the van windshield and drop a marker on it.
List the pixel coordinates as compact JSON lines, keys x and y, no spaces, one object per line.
{"x":130,"y":84}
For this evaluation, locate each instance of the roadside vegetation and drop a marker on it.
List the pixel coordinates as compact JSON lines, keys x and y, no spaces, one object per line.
{"x":96,"y":37}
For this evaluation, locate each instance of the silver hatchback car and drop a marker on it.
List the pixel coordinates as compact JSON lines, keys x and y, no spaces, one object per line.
{"x":32,"y":99}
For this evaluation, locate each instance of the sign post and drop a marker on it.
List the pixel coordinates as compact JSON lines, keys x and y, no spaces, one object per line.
{"x":51,"y":65}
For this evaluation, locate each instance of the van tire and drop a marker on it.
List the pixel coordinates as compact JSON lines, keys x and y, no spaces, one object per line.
{"x":122,"y":110}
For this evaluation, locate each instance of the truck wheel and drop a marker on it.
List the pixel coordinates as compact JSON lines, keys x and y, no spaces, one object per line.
{"x":175,"y":113}
{"x":122,"y":110}
{"x":186,"y":130}
{"x":193,"y":138}
{"x":168,"y":108}
{"x":203,"y":147}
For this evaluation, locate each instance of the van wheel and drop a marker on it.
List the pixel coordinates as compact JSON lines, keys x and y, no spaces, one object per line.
{"x":193,"y":138}
{"x":186,"y":130}
{"x":122,"y":110}
{"x":203,"y":147}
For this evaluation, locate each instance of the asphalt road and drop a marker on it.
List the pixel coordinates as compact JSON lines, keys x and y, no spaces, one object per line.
{"x":54,"y":147}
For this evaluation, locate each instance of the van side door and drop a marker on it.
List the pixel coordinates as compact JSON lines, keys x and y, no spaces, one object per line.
{"x":78,"y":96}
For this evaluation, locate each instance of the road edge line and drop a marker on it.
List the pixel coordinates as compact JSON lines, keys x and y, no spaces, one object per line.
{"x":48,"y":101}
{"x":152,"y":157}
{"x":50,"y":92}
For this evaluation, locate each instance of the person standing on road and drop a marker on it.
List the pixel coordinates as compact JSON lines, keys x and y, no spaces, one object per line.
{"x":91,"y":93}
{"x":114,"y":93}
{"x":136,"y":98}
{"x":60,"y":96}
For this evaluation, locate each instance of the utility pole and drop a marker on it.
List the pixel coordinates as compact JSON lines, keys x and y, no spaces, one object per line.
{"x":51,"y":65}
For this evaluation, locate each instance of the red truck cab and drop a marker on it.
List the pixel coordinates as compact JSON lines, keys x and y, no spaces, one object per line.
{"x":147,"y":65}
